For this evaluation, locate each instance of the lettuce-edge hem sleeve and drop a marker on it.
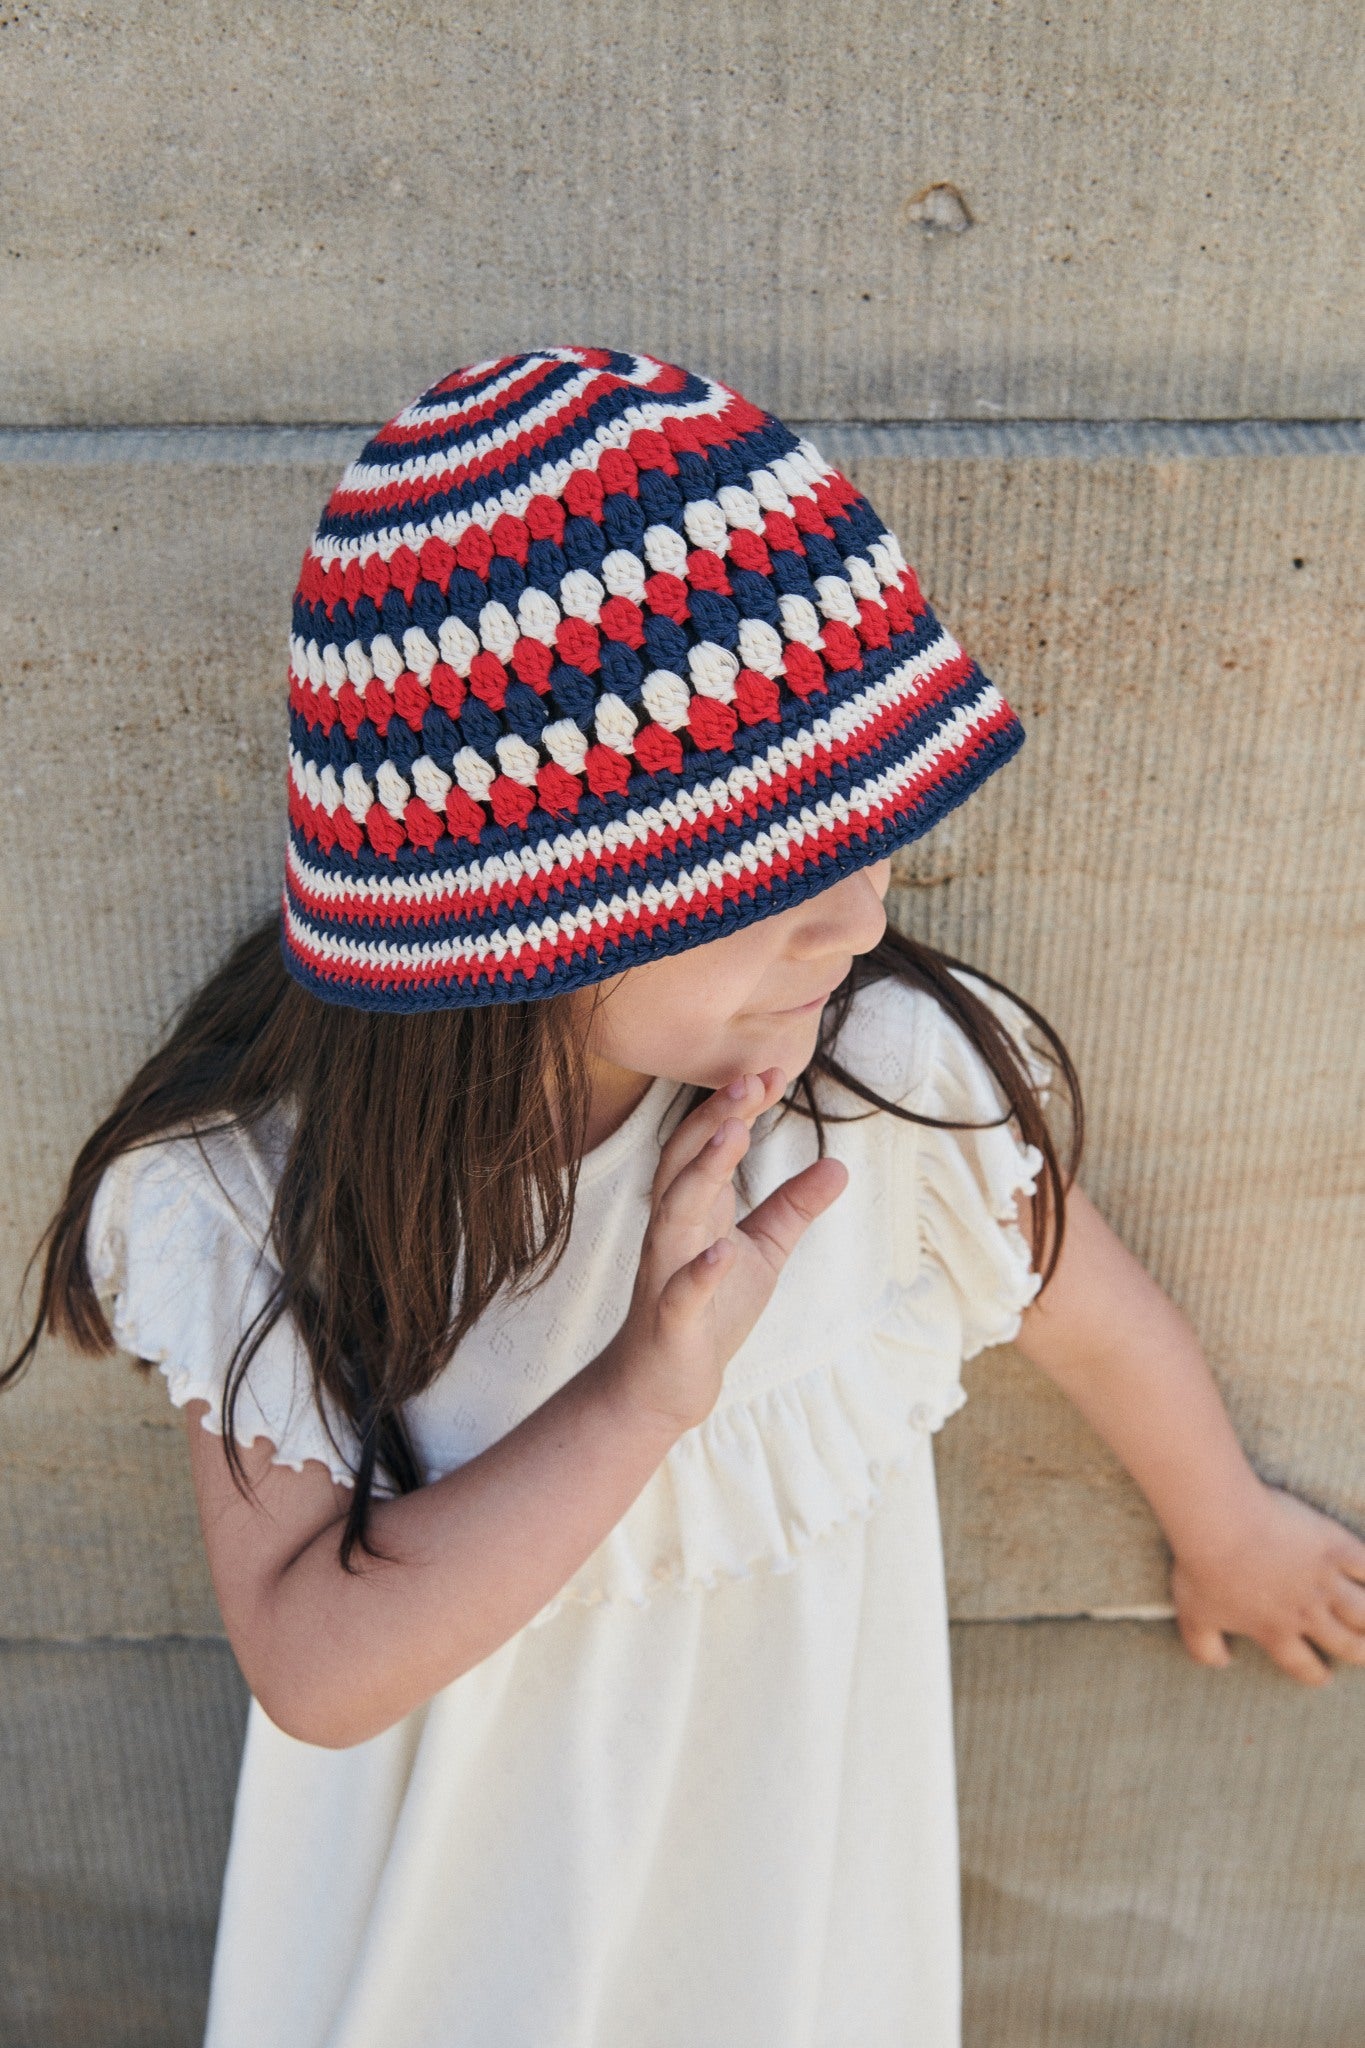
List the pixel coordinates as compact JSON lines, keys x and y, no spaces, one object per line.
{"x":176,"y":1252}
{"x":968,"y":1179}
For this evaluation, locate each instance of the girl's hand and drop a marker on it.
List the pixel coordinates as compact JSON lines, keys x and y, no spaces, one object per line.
{"x":1249,"y":1560}
{"x":1290,"y":1578}
{"x":702,"y":1282}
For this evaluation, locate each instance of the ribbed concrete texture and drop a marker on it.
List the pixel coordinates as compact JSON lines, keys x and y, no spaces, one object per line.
{"x":862,"y":210}
{"x":1152,"y":1854}
{"x":117,"y":1767}
{"x":1170,"y":871}
{"x":1075,"y":295}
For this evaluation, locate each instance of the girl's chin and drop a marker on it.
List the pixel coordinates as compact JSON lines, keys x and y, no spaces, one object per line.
{"x":781,"y":1038}
{"x":787,"y":1038}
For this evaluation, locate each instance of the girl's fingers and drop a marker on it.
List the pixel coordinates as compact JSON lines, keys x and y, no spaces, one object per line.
{"x":686,"y":1292}
{"x":1298,"y":1658}
{"x":693,"y":1133}
{"x":777,"y":1224}
{"x":1347,"y":1601}
{"x":1337,"y":1638}
{"x":689,"y":1202}
{"x":1352,"y":1557}
{"x":1206,"y":1644}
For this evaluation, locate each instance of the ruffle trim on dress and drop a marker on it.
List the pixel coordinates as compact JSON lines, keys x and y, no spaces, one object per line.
{"x":990,"y":1315}
{"x":751,"y":1488}
{"x":763,"y":1478}
{"x":967,"y":1180}
{"x":174,"y":1251}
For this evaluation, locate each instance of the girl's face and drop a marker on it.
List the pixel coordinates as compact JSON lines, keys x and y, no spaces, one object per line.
{"x":744,"y":1002}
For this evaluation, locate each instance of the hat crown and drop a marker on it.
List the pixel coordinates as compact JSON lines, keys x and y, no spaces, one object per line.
{"x":558,"y":603}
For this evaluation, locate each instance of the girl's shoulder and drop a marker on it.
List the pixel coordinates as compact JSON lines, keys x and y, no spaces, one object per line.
{"x":179,"y":1255}
{"x":219,"y":1179}
{"x":902,"y":1041}
{"x":950,"y":1187}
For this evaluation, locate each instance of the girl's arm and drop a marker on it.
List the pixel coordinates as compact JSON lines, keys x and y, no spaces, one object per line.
{"x":1248,"y":1559}
{"x":336,"y":1657}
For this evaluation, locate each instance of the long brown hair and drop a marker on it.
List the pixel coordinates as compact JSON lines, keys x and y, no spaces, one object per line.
{"x":430,"y":1150}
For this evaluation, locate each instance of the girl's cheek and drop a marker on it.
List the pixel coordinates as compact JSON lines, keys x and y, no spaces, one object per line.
{"x":704,"y":1044}
{"x":750,"y":1042}
{"x":688,"y":1015}
{"x":659,"y":1032}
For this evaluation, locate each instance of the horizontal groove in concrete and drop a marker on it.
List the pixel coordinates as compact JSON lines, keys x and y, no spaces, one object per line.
{"x":106,"y":1640}
{"x":1084,"y":440}
{"x":841,"y":440}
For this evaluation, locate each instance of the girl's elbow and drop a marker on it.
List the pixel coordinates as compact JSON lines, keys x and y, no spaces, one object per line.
{"x":304,"y":1716}
{"x":305,"y":1689}
{"x":296,"y":1697}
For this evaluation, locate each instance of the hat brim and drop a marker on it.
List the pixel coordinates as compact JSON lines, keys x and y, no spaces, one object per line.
{"x":847,"y":776}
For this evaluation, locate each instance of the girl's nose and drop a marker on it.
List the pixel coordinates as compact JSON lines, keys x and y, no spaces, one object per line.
{"x":848,"y":917}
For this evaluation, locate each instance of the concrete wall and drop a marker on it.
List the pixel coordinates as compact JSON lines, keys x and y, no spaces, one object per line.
{"x":217,"y":217}
{"x":233,"y":213}
{"x":1152,"y":1855}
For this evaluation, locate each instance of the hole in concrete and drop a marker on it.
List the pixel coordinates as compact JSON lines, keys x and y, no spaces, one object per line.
{"x":939,"y":209}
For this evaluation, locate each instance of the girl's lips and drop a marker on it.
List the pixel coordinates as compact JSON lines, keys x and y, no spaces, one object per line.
{"x":811,"y":1004}
{"x":815,"y":1003}
{"x":800,"y":1009}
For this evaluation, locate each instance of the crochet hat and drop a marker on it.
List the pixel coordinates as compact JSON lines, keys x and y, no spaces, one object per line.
{"x":594,"y":661}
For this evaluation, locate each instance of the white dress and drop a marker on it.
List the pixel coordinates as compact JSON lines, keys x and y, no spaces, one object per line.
{"x":705,"y":1798}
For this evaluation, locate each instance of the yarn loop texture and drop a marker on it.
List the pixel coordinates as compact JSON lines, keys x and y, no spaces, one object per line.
{"x":593,"y":660}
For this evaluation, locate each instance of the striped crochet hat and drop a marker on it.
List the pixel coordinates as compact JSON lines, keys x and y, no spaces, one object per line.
{"x":593,"y":661}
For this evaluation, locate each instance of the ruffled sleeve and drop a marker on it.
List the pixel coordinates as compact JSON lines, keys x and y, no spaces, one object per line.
{"x":175,"y":1248}
{"x":967,"y":1180}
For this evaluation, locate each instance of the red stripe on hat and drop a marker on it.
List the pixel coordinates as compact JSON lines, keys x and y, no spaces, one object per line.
{"x":527,"y":959}
{"x":395,"y":436}
{"x":776,"y":796}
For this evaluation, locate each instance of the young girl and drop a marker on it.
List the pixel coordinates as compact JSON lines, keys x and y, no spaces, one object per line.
{"x":563,"y":1231}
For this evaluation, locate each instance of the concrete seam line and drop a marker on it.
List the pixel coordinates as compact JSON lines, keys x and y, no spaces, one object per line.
{"x":1147,"y":1615}
{"x":1083,"y":440}
{"x":842,"y":440}
{"x":1153,"y":1613}
{"x":105,"y":1641}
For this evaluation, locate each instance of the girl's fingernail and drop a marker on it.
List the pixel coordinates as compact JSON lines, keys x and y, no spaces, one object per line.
{"x":737,"y":1090}
{"x":718,"y":1137}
